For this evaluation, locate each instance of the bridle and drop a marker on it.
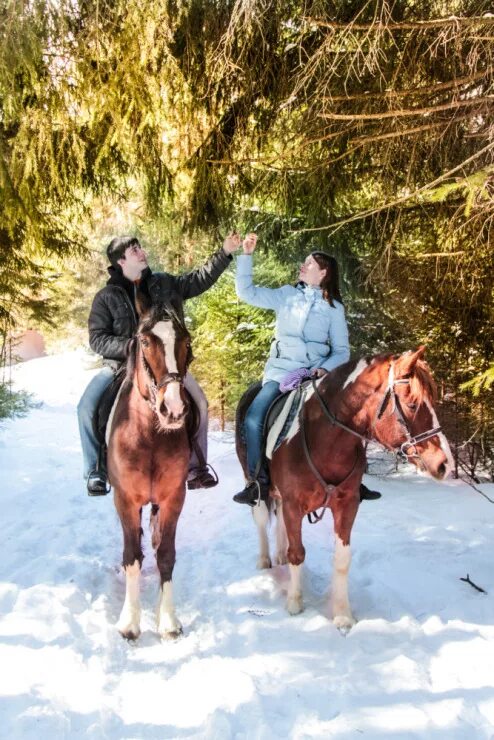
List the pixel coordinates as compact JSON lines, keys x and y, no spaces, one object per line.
{"x":389,"y":395}
{"x":153,"y":386}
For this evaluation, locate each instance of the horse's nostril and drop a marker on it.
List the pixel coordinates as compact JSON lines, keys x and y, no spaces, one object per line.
{"x":441,"y":469}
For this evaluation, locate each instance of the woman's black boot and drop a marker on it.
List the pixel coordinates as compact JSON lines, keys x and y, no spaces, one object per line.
{"x":252,"y":493}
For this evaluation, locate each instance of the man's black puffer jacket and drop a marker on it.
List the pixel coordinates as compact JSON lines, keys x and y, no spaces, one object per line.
{"x":113,"y":319}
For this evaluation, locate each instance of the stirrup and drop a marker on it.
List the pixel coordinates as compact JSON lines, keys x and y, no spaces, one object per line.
{"x":207,"y":477}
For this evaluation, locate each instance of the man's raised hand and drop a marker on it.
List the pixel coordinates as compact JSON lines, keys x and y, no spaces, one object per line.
{"x":232,"y":242}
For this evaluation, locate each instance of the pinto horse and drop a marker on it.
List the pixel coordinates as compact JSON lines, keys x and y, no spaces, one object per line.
{"x":148,"y":455}
{"x":387,"y":398}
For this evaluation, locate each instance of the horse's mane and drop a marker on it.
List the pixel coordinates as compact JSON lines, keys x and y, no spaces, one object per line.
{"x":131,"y":361}
{"x":162,"y":312}
{"x":422,"y":385}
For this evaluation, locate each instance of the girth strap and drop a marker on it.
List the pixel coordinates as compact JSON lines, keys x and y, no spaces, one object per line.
{"x":328,"y":488}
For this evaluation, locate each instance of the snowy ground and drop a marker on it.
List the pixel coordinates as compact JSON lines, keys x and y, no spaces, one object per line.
{"x":418,"y":664}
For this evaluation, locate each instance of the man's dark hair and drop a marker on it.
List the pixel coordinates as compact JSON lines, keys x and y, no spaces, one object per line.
{"x":116,"y":248}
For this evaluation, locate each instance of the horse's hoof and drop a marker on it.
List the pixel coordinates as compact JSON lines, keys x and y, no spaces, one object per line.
{"x":263,"y":562}
{"x":294,"y":605}
{"x":343,"y":623}
{"x":172,"y":634}
{"x":130,"y":633}
{"x":281,"y":559}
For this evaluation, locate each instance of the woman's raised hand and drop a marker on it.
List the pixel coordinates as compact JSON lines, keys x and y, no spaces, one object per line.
{"x":232,"y":242}
{"x":249,"y":243}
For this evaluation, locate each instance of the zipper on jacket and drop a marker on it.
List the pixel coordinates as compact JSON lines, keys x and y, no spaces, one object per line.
{"x":132,"y":309}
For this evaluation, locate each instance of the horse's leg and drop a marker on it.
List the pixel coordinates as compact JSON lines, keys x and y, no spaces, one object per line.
{"x":296,"y":556}
{"x":344,"y":515}
{"x":169,"y":626}
{"x":261,"y":518}
{"x":154,"y":521}
{"x":281,"y":538}
{"x":130,"y":617}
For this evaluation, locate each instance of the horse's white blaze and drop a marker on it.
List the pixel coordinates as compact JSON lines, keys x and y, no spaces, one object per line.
{"x":164,"y":330}
{"x":172,"y":398}
{"x":130,"y":616}
{"x":442,"y":440}
{"x":294,"y":601}
{"x":340,"y":605}
{"x":261,"y":518}
{"x":361,"y":365}
{"x":168,"y":624}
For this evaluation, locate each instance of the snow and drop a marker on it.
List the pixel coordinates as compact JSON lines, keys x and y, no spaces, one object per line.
{"x":418,"y":664}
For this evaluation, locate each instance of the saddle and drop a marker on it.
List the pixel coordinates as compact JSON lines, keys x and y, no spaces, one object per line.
{"x":280,"y":415}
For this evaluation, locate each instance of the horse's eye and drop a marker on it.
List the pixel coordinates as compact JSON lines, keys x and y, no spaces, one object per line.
{"x":145,"y":342}
{"x":412,"y":406}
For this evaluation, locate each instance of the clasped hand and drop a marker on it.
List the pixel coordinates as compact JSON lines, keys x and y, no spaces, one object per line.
{"x":232,"y":242}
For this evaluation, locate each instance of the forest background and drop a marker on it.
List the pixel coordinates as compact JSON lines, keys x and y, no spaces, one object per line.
{"x":364,"y":129}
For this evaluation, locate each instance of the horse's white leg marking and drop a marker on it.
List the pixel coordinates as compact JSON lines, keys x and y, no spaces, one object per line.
{"x":164,"y":330}
{"x":154,"y":526}
{"x":443,"y":441}
{"x":130,"y":617}
{"x":294,"y":603}
{"x":361,"y":365}
{"x":168,"y":624}
{"x":340,"y":606}
{"x":281,"y":536}
{"x":261,"y":518}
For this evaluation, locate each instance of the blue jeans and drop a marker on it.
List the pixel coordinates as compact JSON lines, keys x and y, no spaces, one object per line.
{"x":254,"y":425}
{"x":85,"y":412}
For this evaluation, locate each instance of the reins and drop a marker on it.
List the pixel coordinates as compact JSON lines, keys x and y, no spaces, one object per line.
{"x":410,"y":441}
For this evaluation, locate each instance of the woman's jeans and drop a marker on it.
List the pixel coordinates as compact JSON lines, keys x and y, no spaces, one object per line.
{"x":87,"y":407}
{"x":254,"y":427}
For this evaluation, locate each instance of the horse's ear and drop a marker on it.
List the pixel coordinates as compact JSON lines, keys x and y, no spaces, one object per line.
{"x":143,"y":301}
{"x":407,"y":361}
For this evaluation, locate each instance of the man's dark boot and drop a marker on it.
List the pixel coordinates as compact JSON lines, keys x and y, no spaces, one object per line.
{"x":367,"y":494}
{"x":97,"y":483}
{"x":203,"y":479}
{"x":252,"y":492}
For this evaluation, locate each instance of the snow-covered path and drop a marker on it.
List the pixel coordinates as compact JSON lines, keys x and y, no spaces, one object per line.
{"x":418,"y":664}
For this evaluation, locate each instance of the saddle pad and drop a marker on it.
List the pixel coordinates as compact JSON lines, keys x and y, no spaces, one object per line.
{"x":281,"y":424}
{"x":110,"y":417}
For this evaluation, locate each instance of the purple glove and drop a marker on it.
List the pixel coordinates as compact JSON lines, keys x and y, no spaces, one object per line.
{"x":293,"y":379}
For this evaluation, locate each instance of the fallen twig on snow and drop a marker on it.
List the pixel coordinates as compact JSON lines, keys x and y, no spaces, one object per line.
{"x":467,"y":580}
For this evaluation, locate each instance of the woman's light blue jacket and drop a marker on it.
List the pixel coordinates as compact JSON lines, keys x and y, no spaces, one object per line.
{"x":309,"y":332}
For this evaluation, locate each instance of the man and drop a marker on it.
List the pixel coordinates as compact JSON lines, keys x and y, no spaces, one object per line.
{"x":112,"y":324}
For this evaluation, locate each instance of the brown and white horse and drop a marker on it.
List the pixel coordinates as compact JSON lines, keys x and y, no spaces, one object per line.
{"x":148,"y":456}
{"x":386,"y":398}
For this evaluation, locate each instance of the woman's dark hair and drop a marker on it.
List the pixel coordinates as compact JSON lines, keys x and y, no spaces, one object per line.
{"x":330,"y":283}
{"x":117,"y":247}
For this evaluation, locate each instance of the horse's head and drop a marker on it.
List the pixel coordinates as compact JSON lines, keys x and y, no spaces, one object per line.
{"x":404,"y":417}
{"x":164,"y":352}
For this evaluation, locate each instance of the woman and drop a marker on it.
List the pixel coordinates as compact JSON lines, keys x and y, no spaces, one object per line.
{"x":311,"y":333}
